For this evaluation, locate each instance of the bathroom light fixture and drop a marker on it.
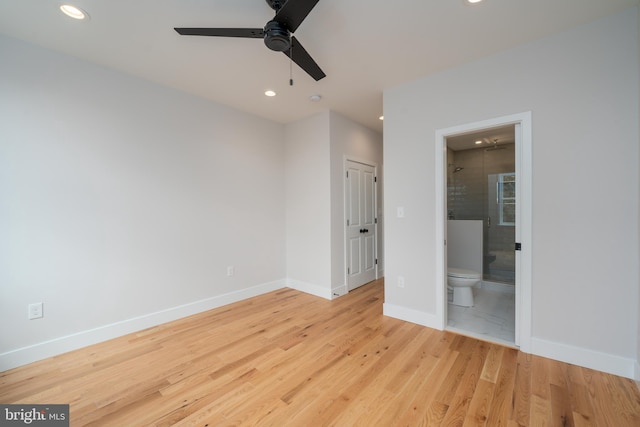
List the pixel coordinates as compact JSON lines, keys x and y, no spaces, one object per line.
{"x":74,"y":12}
{"x":270,"y":93}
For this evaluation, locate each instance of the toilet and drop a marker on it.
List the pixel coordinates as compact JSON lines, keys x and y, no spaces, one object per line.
{"x":462,"y":282}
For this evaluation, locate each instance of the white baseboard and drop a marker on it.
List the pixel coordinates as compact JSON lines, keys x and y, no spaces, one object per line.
{"x":413,"y":316}
{"x":624,"y":367}
{"x":584,"y":357}
{"x":32,"y":353}
{"x":339,"y":291}
{"x":309,"y":288}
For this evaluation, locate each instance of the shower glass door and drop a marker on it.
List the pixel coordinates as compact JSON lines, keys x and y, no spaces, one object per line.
{"x":500,"y":218}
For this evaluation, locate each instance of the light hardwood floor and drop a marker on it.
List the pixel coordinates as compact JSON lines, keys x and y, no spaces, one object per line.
{"x":291,"y":359}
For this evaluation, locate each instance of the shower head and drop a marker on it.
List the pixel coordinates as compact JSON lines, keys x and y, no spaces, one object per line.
{"x":495,"y":146}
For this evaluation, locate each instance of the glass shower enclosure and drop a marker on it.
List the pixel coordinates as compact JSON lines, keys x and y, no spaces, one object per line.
{"x":481,"y":186}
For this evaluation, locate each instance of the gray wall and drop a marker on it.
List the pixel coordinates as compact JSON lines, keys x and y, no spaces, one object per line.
{"x":315,"y":151}
{"x":122,"y":203}
{"x":355,"y":142}
{"x":638,"y":234}
{"x":582,"y":89}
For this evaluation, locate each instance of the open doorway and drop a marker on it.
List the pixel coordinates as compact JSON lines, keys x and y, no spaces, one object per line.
{"x":481,"y":223}
{"x":481,"y":180}
{"x":484,"y":218}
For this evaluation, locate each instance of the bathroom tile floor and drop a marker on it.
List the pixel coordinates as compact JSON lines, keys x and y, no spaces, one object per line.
{"x":492,"y":317}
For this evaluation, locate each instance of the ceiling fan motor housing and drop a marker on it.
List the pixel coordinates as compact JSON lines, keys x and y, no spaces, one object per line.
{"x":277,"y":37}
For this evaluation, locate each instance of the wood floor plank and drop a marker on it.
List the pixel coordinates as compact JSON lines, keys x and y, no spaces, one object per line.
{"x":371,"y":359}
{"x":368,"y":407}
{"x":477,"y":414}
{"x":492,"y":364}
{"x":459,"y":406}
{"x":540,"y":377}
{"x":522,"y":390}
{"x":287,"y":358}
{"x":423,"y":391}
{"x":540,"y":413}
{"x":465,"y":347}
{"x":502,"y":403}
{"x":562,"y":414}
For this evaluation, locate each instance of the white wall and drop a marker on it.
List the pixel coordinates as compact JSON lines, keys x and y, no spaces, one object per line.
{"x":122,"y":203}
{"x":315,"y":151}
{"x":637,"y":374}
{"x":308,"y":237}
{"x":355,"y":142}
{"x":582,"y":89}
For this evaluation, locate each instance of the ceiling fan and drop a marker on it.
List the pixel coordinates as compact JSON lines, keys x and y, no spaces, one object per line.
{"x":276,"y":33}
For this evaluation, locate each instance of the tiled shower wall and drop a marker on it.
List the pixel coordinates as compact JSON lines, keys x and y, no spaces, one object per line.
{"x":472,"y":195}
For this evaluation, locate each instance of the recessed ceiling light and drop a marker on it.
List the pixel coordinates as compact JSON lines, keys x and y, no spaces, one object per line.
{"x":315,"y":98}
{"x":473,"y":1}
{"x":270,"y":93}
{"x":381,"y":117}
{"x":74,"y":11}
{"x":478,"y":142}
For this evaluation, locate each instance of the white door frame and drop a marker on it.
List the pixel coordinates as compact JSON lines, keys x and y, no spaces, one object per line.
{"x":523,"y":218}
{"x":374,"y":165}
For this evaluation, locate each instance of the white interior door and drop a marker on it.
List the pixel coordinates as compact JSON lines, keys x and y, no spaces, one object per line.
{"x":361,"y":224}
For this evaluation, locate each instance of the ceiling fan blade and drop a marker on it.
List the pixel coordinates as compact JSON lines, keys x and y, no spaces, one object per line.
{"x":251,"y":33}
{"x":294,"y":12}
{"x":300,"y":56}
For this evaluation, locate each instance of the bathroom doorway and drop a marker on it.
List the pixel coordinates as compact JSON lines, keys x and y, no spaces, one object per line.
{"x":481,"y":180}
{"x":484,"y":179}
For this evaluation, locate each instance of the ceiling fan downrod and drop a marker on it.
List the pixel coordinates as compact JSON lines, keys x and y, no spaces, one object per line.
{"x":275,"y":4}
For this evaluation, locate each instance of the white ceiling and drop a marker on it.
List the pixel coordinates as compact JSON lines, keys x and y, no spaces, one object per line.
{"x":364,"y":46}
{"x":490,"y":137}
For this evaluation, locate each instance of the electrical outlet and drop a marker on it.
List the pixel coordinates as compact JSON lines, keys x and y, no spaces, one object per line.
{"x":230,"y":271}
{"x":401,"y":281}
{"x":35,"y":311}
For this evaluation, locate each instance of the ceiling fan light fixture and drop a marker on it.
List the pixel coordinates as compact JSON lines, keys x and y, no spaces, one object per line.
{"x":74,"y":12}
